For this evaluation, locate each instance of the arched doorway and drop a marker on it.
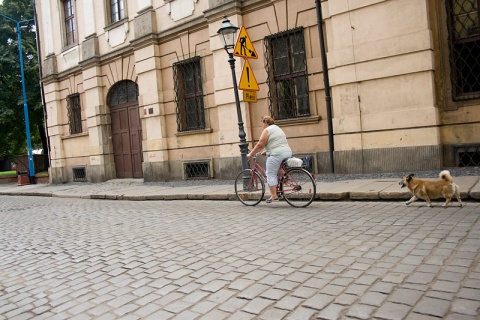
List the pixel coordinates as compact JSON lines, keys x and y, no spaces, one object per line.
{"x":126,"y":129}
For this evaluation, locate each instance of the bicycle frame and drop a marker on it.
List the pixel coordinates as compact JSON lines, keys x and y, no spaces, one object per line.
{"x":295,"y":185}
{"x":259,"y":169}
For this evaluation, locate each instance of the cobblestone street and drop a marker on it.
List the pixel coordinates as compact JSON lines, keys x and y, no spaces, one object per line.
{"x":103,"y":259}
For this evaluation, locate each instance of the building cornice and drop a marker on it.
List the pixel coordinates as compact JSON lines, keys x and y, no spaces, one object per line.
{"x":91,"y":62}
{"x":59,"y":76}
{"x":218,"y":8}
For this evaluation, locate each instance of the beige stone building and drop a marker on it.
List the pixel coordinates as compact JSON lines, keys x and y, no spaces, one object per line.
{"x":143,"y":88}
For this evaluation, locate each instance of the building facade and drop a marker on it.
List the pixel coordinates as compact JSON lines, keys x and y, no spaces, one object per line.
{"x":143,"y":89}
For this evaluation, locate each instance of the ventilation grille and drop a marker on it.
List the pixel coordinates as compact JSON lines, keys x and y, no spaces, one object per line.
{"x":468,"y":156}
{"x":197,"y":170}
{"x":79,"y":174}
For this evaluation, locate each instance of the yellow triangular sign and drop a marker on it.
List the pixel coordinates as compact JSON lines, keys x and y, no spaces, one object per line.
{"x":244,"y":47}
{"x":247,"y":80}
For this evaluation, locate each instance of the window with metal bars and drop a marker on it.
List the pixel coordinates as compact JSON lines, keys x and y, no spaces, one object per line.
{"x":117,"y":10}
{"x":189,"y":95}
{"x":464,"y":42}
{"x":69,"y":18}
{"x":468,"y":155}
{"x":287,"y":74}
{"x":74,"y":113}
{"x":79,"y":174}
{"x":196,"y":170}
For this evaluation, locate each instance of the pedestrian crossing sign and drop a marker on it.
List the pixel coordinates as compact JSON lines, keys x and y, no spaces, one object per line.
{"x":244,"y":47}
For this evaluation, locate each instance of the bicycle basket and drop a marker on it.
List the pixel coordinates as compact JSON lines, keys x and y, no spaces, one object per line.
{"x":294,"y":162}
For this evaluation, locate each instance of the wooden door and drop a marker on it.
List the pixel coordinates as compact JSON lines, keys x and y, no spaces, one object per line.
{"x":135,"y":141}
{"x":127,"y":140}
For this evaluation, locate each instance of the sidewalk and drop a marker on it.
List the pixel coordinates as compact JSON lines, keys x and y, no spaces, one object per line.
{"x":136,"y":189}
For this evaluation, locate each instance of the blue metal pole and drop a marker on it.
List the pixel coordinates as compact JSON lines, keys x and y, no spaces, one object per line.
{"x":31,"y":166}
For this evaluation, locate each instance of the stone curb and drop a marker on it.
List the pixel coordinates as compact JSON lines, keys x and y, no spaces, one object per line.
{"x":337,"y":196}
{"x":356,"y":190}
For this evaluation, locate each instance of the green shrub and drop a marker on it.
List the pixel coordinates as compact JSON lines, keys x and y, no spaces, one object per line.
{"x":7,"y":174}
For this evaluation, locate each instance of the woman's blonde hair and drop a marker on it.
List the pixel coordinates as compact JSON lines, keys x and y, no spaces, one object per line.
{"x":268,"y":120}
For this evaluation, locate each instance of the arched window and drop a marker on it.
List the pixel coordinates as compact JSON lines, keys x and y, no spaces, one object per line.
{"x":122,"y":92}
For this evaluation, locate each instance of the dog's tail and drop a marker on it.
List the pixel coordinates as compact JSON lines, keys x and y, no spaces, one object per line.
{"x":445,"y":175}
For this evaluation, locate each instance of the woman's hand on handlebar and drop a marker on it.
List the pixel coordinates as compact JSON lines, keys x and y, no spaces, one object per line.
{"x":249,"y":155}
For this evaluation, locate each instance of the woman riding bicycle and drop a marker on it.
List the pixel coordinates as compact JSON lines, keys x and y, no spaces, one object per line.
{"x":274,"y":141}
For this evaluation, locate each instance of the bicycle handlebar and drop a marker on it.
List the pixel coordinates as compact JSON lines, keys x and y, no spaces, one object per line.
{"x":257,"y":154}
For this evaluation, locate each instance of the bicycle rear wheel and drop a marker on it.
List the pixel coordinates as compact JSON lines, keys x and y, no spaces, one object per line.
{"x":299,"y":187}
{"x":249,"y":187}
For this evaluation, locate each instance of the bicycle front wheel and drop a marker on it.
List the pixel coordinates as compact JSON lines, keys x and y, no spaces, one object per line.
{"x":249,"y":187}
{"x":299,"y":187}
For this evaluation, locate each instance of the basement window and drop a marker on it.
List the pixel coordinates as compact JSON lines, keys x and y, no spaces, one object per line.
{"x":79,"y":174}
{"x":468,"y":156}
{"x":197,"y":170}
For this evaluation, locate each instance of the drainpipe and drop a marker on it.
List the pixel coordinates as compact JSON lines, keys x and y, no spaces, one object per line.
{"x":326,"y":81}
{"x":249,"y":107}
{"x":42,"y":91}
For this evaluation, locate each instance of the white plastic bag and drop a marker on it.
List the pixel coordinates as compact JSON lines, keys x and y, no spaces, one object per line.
{"x":294,"y":162}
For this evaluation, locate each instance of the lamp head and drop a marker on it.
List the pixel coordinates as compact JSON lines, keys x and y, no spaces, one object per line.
{"x":227,"y":34}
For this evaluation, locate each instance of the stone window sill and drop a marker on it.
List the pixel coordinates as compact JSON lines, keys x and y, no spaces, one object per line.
{"x":115,"y":24}
{"x":297,"y":121}
{"x":76,"y":135}
{"x":186,"y":133}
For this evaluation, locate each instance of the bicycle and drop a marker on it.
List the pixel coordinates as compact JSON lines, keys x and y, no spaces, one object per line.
{"x":297,"y":186}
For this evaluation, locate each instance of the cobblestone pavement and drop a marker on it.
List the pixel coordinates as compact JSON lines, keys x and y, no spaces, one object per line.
{"x":102,"y":259}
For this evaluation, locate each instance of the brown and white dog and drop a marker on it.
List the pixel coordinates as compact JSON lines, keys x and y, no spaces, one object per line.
{"x":428,"y":190}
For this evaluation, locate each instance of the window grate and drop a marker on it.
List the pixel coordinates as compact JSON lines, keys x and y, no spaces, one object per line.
{"x":79,"y":174}
{"x":468,"y":156}
{"x":189,"y":95}
{"x":287,"y":76}
{"x":122,"y":92}
{"x":74,"y":113}
{"x":464,"y":43}
{"x":197,"y":170}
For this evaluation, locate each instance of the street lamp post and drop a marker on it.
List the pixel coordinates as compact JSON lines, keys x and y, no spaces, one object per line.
{"x":227,"y":33}
{"x":31,"y":167}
